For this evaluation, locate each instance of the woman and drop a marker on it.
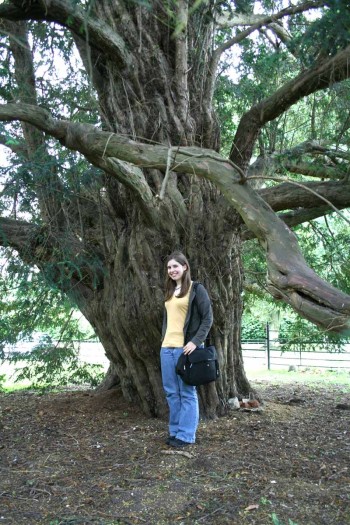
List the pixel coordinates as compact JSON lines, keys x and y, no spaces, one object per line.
{"x":186,"y":324}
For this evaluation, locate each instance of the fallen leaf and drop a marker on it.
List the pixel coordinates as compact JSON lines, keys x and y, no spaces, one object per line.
{"x":251,"y":507}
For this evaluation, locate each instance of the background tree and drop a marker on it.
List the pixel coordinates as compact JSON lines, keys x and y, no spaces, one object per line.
{"x":148,"y":177}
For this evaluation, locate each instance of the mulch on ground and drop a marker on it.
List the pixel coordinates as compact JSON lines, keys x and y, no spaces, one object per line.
{"x":76,"y":457}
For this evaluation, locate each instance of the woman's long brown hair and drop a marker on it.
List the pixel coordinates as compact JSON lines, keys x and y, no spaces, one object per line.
{"x":170,"y":284}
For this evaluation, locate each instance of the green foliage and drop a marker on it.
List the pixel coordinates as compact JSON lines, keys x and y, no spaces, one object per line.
{"x":326,"y":35}
{"x":300,"y":335}
{"x":276,"y":520}
{"x":253,"y":328}
{"x":28,"y":303}
{"x":262,"y":67}
{"x":48,"y":366}
{"x":225,"y":108}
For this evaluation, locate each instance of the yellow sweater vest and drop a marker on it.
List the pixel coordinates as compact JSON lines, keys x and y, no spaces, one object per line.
{"x":176,"y":309}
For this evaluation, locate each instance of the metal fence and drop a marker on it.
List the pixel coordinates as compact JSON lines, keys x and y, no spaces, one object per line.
{"x":274,"y":352}
{"x":268,"y":351}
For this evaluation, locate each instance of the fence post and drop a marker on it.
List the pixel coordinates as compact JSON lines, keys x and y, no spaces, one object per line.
{"x":268,"y":346}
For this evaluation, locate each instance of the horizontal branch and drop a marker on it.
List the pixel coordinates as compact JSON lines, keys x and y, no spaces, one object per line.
{"x":288,"y":196}
{"x":263,"y":167}
{"x":81,"y":137}
{"x":72,"y":17}
{"x":264,"y":20}
{"x":296,"y":217}
{"x":17,"y":234}
{"x":242,"y":19}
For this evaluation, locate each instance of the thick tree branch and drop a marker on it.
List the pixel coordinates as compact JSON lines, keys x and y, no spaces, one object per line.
{"x":288,"y":196}
{"x":265,"y":167}
{"x":322,"y":75}
{"x":297,"y":160}
{"x":17,"y":235}
{"x":251,"y":19}
{"x":95,"y":144}
{"x":296,"y":217}
{"x":313,"y":170}
{"x":267,"y":19}
{"x":289,"y":276}
{"x":73,"y":18}
{"x":35,"y":115}
{"x":72,"y":135}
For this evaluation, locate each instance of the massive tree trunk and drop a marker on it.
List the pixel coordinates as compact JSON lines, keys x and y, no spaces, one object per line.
{"x":154,"y":73}
{"x":127,"y":312}
{"x":161,"y":96}
{"x":157,"y":99}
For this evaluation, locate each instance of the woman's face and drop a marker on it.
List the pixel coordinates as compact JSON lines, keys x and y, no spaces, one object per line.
{"x":176,"y":270}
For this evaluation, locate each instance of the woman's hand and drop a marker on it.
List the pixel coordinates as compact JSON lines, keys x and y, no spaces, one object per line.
{"x":189,"y":347}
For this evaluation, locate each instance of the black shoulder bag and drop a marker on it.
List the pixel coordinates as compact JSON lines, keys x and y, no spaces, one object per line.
{"x":199,"y":367}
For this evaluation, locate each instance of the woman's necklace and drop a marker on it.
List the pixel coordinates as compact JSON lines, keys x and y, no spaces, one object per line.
{"x":177,"y":287}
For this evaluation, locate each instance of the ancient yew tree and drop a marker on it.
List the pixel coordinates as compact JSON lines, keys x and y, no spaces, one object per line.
{"x":126,"y":167}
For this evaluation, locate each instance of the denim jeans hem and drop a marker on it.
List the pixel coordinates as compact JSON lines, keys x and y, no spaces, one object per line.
{"x":181,"y":398}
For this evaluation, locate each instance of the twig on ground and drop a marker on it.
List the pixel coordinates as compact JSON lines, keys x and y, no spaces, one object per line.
{"x":178,"y":452}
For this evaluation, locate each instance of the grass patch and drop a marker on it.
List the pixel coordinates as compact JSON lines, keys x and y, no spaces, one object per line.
{"x":306,"y":376}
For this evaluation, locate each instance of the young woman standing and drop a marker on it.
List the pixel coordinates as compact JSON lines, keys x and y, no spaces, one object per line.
{"x":186,"y":324}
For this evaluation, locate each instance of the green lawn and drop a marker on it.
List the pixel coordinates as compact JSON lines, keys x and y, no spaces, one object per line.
{"x":312,"y":375}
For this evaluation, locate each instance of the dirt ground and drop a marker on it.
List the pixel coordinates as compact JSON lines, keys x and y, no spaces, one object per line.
{"x":74,"y":458}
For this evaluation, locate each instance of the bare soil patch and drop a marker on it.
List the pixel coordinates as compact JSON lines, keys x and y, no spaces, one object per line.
{"x":74,"y":458}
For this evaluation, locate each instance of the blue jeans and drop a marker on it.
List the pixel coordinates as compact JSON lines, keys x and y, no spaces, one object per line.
{"x":182,"y":399}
